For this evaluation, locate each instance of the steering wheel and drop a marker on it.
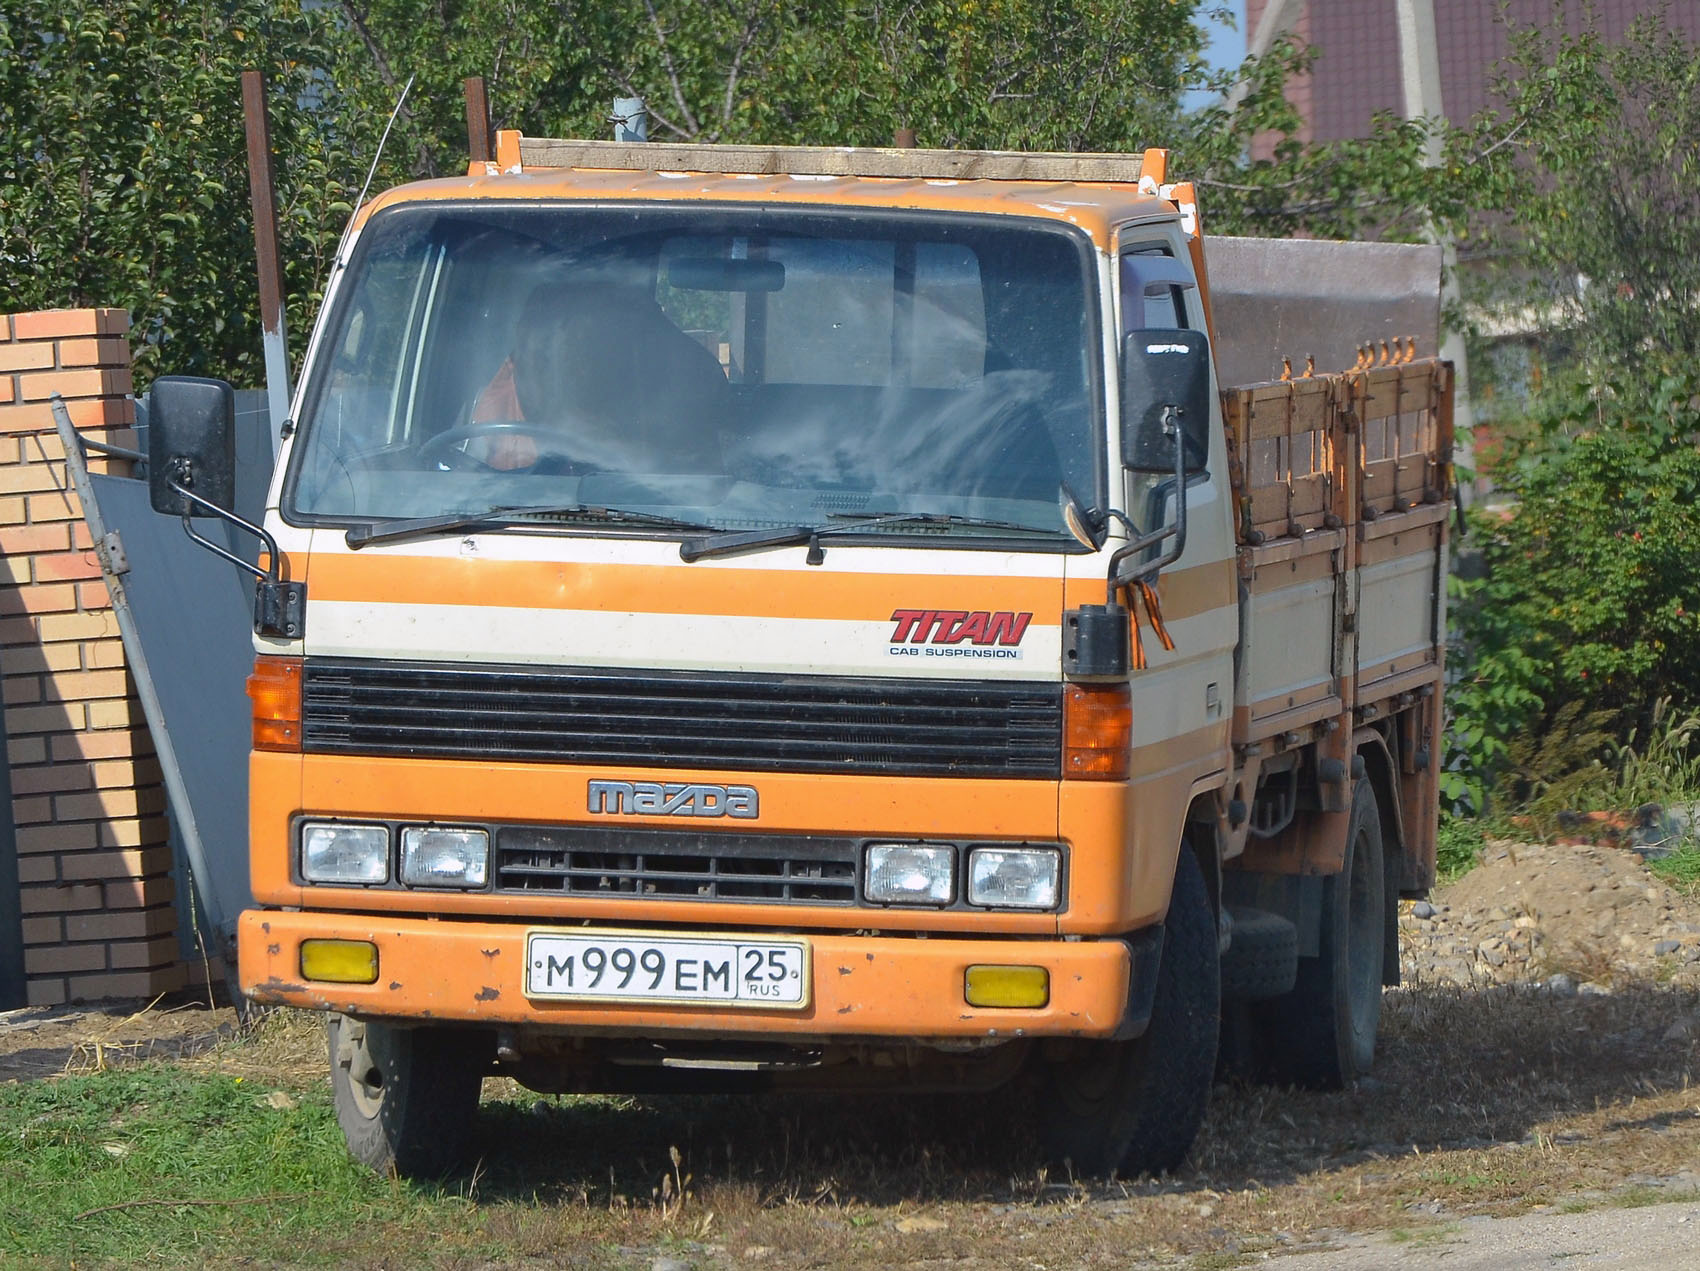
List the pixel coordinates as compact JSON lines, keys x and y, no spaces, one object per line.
{"x":449,"y":447}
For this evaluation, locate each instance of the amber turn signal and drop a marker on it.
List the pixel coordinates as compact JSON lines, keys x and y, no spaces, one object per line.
{"x":275,"y":690}
{"x":1020,"y":986}
{"x":1097,"y":731}
{"x":339,"y":961}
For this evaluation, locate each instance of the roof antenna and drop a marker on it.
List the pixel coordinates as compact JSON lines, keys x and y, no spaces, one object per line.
{"x":373,"y":170}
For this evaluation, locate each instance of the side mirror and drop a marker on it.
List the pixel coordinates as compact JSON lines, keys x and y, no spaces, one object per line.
{"x":1164,"y":368}
{"x":191,"y":441}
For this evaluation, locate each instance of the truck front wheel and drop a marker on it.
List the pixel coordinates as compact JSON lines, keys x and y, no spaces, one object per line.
{"x":1134,"y":1107}
{"x":405,"y":1097}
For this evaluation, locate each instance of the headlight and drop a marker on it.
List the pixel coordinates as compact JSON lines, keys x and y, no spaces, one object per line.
{"x":1014,"y":877}
{"x":908,"y":874}
{"x":432,"y":856}
{"x":332,"y":853}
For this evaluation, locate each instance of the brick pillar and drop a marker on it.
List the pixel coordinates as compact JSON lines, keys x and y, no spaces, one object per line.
{"x":93,"y":860}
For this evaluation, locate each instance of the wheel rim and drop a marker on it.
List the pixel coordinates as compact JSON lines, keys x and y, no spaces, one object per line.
{"x":1363,"y":952}
{"x":355,"y":1056}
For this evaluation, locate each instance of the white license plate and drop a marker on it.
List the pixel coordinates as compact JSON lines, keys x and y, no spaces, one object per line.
{"x":617,"y":966}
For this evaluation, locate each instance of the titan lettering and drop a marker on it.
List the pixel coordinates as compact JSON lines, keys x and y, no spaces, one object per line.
{"x":953,"y":626}
{"x":653,"y":798}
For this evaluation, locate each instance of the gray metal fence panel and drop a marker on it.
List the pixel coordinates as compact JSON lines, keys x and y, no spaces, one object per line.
{"x":194,"y":618}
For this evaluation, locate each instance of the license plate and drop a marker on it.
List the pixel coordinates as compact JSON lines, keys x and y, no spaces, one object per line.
{"x":609,"y":966}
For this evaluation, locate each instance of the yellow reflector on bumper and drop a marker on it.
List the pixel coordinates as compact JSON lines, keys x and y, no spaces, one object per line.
{"x":339,"y":961}
{"x":1007,"y":986}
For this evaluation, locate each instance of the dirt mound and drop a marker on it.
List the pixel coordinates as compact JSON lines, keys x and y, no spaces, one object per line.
{"x":1576,"y":915}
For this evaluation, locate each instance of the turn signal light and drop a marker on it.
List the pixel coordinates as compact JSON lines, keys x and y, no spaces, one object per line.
{"x":275,"y":690}
{"x":1028,"y":986}
{"x":1097,"y":731}
{"x":339,"y":961}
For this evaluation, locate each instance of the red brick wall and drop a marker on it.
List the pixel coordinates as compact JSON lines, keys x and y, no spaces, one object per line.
{"x":87,"y":803}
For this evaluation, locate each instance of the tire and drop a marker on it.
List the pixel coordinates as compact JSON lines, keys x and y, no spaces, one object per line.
{"x":405,"y":1097}
{"x":1322,"y":1034}
{"x":1134,"y":1107}
{"x":1262,"y":960}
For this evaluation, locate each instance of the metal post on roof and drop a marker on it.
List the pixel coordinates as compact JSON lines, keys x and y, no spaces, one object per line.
{"x":262,"y":191}
{"x":478,"y":139}
{"x":630,"y":119}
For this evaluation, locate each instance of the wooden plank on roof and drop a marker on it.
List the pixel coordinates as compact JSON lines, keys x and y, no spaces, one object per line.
{"x":837,"y":161}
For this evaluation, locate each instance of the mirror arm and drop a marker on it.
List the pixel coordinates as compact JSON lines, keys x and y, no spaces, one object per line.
{"x":279,"y":607}
{"x":269,"y":575}
{"x":1117,"y":579}
{"x":117,"y":452}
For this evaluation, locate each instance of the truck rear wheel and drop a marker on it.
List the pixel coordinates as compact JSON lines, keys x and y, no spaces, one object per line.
{"x":1322,"y":1034}
{"x":405,"y":1097}
{"x":1134,"y":1107}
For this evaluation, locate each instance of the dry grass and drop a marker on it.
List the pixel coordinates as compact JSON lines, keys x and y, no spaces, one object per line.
{"x":1483,"y":1101}
{"x":1487,"y":1101}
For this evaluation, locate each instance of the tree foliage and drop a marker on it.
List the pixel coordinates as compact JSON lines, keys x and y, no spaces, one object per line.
{"x":1588,"y":190}
{"x":121,"y":145}
{"x":124,"y":159}
{"x":1587,"y":608}
{"x":1589,"y":611}
{"x":1379,"y":186}
{"x":124,"y":174}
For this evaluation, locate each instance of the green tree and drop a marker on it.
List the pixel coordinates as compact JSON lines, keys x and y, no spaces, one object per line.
{"x":121,"y":148}
{"x":1381,"y":186}
{"x":124,"y":174}
{"x":1588,"y":609}
{"x":1015,"y":74}
{"x":1589,"y":233}
{"x":1588,"y":190}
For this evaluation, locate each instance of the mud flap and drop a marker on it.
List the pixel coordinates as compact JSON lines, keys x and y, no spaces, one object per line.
{"x":1145,"y":948}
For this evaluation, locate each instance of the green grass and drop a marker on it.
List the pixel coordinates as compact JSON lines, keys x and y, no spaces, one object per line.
{"x":1681,"y":869}
{"x":1424,"y":1237}
{"x":1458,"y":848}
{"x":159,"y":1166}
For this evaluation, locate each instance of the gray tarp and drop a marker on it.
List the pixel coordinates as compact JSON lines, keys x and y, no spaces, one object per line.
{"x":1275,"y":297}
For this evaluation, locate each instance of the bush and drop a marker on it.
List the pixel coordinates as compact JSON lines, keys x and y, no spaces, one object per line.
{"x":1586,"y":615}
{"x":1458,"y":848}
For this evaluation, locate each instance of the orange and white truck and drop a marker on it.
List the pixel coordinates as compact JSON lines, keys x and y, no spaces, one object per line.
{"x":781,"y":618}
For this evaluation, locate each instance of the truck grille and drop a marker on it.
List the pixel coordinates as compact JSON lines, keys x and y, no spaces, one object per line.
{"x":662,"y":719}
{"x":677,"y":865}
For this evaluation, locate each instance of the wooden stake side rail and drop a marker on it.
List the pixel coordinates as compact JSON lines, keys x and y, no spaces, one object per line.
{"x":1334,"y":450}
{"x":1341,"y":485}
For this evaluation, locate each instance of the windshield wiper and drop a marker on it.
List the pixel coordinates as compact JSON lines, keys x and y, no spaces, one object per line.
{"x":730,"y":541}
{"x":359,"y":536}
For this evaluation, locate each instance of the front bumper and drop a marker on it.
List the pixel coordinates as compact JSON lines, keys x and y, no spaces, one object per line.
{"x":864,"y":987}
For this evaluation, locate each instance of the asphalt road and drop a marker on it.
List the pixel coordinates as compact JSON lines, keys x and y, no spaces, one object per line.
{"x":1651,"y":1238}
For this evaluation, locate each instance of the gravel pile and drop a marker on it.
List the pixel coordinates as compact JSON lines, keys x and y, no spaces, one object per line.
{"x":1578,"y":918}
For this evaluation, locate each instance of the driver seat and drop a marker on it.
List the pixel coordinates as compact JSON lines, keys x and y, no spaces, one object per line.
{"x":605,"y":361}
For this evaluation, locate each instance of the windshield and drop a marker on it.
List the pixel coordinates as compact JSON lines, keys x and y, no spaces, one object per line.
{"x":730,"y":368}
